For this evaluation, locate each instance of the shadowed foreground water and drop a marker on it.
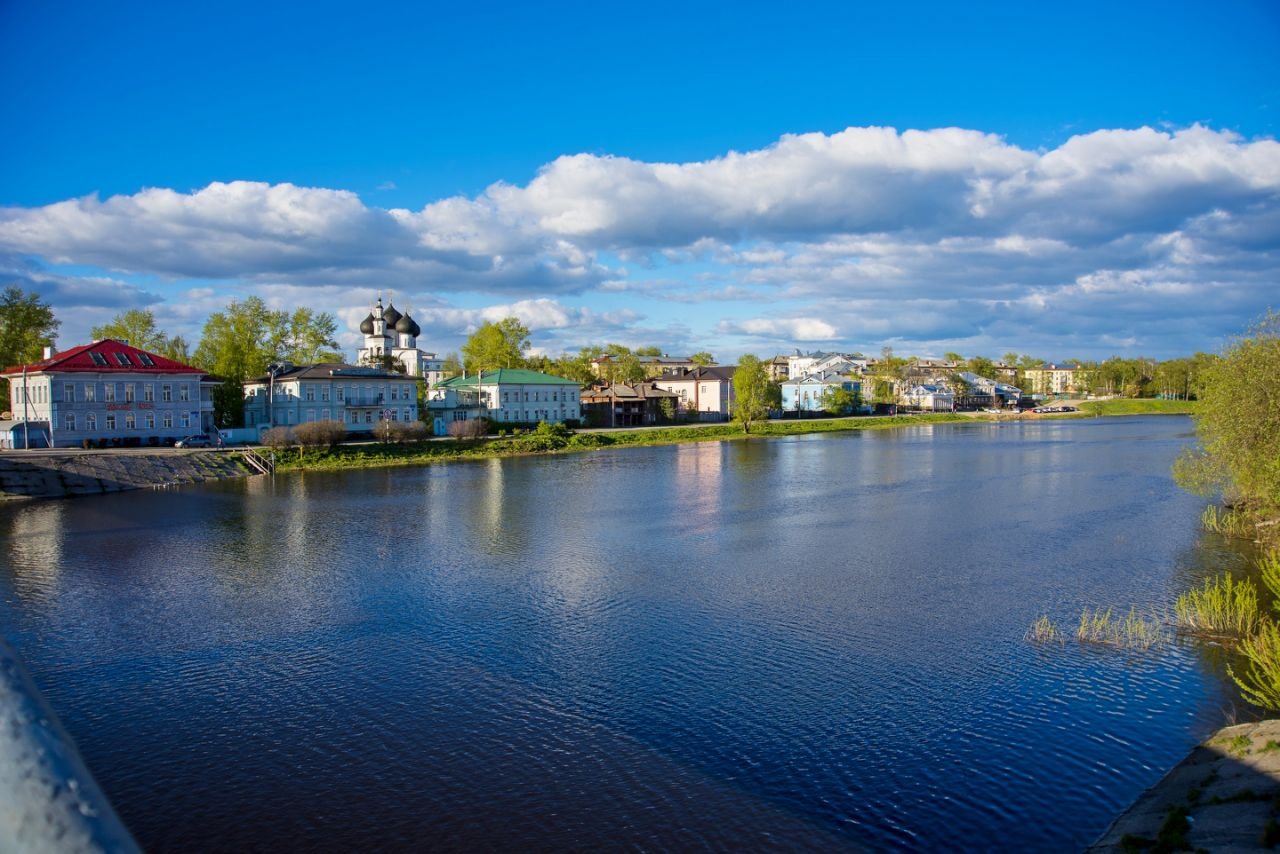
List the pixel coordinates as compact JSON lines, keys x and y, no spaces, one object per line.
{"x":809,"y":643}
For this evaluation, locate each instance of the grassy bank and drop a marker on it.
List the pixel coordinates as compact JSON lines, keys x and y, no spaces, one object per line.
{"x":421,"y":453}
{"x":1138,"y":406}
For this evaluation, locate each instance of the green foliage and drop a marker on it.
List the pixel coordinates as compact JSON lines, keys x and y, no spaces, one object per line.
{"x":1133,"y":631}
{"x":1238,"y":422}
{"x":702,"y":359}
{"x":311,"y":338}
{"x":136,"y":326}
{"x":648,"y":351}
{"x":451,"y":366}
{"x":751,"y":391}
{"x":1223,"y":606}
{"x":837,"y":400}
{"x":1044,"y":631}
{"x":27,"y":326}
{"x":228,"y":403}
{"x":1259,"y":678}
{"x":1147,"y":406}
{"x":496,"y":345}
{"x":1269,"y":572}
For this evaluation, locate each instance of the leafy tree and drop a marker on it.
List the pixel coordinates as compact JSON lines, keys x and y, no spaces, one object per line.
{"x":27,"y":326}
{"x":311,"y":338}
{"x":135,"y":325}
{"x":953,"y":357}
{"x":983,"y":367}
{"x":496,"y":345}
{"x":837,"y":400}
{"x":751,"y":390}
{"x":648,"y":351}
{"x":702,"y":359}
{"x":575,"y":367}
{"x":451,"y":366}
{"x":667,"y":408}
{"x":630,"y":369}
{"x":1238,"y":424}
{"x":239,"y":342}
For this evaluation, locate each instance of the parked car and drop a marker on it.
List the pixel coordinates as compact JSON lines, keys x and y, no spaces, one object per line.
{"x":195,"y":442}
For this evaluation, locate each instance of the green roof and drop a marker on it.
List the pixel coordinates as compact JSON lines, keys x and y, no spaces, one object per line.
{"x":505,"y":376}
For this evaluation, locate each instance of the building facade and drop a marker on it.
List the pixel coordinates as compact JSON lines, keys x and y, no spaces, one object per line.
{"x":706,"y":394}
{"x":1054,"y":379}
{"x":628,"y":405}
{"x":806,"y":393}
{"x":505,"y":396}
{"x":108,"y":392}
{"x":356,"y":395}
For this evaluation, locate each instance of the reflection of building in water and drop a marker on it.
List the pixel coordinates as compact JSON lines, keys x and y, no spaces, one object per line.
{"x":36,"y":539}
{"x":700,"y":481}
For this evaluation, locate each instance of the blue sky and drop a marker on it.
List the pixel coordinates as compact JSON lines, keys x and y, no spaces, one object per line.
{"x":1073,"y":180}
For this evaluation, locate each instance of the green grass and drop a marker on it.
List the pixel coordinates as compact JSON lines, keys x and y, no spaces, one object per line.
{"x":1259,"y":678}
{"x":1227,"y":522}
{"x":1044,"y":631}
{"x":1138,"y":406}
{"x":1223,"y":607}
{"x":423,"y":453}
{"x":1132,"y":631}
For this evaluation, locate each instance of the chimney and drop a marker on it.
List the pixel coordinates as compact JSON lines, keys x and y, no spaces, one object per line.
{"x":48,"y":352}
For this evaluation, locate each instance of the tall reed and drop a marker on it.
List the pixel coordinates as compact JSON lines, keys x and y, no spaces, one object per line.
{"x":1269,"y":571}
{"x":1223,"y":606}
{"x":1259,"y":680}
{"x":1227,"y":522}
{"x":1132,"y":631}
{"x":1044,"y":631}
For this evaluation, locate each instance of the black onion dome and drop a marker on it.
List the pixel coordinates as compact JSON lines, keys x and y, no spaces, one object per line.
{"x":405,"y":325}
{"x":416,"y":330}
{"x":366,"y":325}
{"x":391,"y":316}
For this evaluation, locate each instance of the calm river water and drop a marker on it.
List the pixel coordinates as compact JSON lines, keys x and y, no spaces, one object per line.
{"x":808,"y":643}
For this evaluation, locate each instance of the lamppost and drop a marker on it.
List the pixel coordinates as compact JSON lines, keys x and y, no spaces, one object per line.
{"x":272,"y":369}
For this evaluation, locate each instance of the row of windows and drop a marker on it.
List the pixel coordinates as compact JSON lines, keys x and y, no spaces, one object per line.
{"x":312,"y":391}
{"x":110,"y":422}
{"x":123,"y":359}
{"x":111,"y":392}
{"x":534,"y":415}
{"x":550,"y":396}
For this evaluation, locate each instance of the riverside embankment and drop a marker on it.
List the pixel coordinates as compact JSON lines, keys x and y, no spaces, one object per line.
{"x":63,"y":474}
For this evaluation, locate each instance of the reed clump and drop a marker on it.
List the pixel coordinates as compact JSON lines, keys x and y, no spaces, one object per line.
{"x":1227,"y":522}
{"x":1222,"y":607}
{"x":1132,"y":631}
{"x":1044,"y":631}
{"x":1269,"y":572}
{"x":1259,"y":679}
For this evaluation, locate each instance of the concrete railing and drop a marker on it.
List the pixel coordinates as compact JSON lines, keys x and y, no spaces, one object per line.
{"x":49,"y":803}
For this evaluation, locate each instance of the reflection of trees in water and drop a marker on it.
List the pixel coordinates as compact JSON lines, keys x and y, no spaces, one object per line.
{"x":1208,"y":557}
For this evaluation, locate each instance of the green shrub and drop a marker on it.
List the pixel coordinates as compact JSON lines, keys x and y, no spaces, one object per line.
{"x":1259,"y":679}
{"x":1223,"y":606}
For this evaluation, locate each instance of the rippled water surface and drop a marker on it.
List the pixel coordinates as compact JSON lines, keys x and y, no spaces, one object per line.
{"x":809,"y":643}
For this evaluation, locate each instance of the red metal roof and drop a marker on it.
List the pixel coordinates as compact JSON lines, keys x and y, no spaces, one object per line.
{"x":79,"y":359}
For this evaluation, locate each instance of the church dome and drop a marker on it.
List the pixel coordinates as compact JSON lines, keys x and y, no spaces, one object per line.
{"x":366,"y":325}
{"x":405,"y":325}
{"x":391,"y":316}
{"x":416,"y":330}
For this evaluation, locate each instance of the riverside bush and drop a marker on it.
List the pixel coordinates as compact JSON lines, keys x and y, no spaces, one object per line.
{"x":277,"y":438}
{"x":1259,"y":679}
{"x":320,"y":434}
{"x":1223,"y":606}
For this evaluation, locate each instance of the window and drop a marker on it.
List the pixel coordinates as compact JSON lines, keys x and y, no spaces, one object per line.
{"x":168,"y":420}
{"x":129,"y":422}
{"x":166,"y":392}
{"x":68,"y":393}
{"x":341,"y":393}
{"x":98,"y":358}
{"x":123,"y":359}
{"x":407,"y":416}
{"x":109,"y":392}
{"x":368,"y":417}
{"x":311,"y":415}
{"x":91,"y":422}
{"x":504,"y":396}
{"x":186,"y":420}
{"x":70,"y":422}
{"x":311,"y":392}
{"x":128,"y":391}
{"x":89,"y":392}
{"x":184,"y":392}
{"x":149,"y":392}
{"x":146,"y":360}
{"x":150,"y":421}
{"x":110,"y":422}
{"x":324,"y":393}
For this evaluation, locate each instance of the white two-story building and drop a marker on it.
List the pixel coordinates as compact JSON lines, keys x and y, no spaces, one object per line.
{"x":107,"y":392}
{"x":504,"y":396}
{"x":356,"y":395}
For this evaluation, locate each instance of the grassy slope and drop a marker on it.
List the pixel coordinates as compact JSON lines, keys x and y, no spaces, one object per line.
{"x":1141,"y":406}
{"x":366,"y":456}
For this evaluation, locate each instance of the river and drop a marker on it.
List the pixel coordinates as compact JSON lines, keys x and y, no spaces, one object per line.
{"x":808,"y":643}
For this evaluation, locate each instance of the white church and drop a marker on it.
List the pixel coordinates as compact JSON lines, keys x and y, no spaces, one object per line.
{"x":391,"y":341}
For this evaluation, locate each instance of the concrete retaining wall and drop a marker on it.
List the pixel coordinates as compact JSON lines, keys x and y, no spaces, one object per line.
{"x":54,"y":475}
{"x":49,"y":803}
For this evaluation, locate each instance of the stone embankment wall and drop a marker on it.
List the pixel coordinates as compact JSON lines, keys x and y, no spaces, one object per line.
{"x":41,"y":475}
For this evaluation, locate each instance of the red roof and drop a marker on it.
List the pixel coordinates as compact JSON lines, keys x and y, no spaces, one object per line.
{"x":81,"y":359}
